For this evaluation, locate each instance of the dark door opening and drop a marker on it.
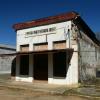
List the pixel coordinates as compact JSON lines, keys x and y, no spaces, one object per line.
{"x":59,"y":64}
{"x":41,"y":66}
{"x":24,"y":65}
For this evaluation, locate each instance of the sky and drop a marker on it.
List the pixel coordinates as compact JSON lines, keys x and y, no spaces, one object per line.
{"x":15,"y":11}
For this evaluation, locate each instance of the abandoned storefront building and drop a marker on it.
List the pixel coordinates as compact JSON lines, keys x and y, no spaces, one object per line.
{"x":59,"y":49}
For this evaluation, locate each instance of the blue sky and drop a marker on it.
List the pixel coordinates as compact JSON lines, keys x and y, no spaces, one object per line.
{"x":15,"y":11}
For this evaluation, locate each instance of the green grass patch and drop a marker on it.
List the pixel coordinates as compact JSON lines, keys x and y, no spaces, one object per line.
{"x":75,"y":92}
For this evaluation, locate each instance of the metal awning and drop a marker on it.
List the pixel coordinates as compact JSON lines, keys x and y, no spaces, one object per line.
{"x":38,"y":52}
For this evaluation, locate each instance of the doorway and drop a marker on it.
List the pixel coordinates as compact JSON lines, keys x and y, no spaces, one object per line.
{"x":59,"y":64}
{"x":24,"y":65}
{"x":41,"y":66}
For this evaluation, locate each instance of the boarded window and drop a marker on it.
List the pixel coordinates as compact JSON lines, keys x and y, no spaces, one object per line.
{"x":59,"y":45}
{"x":24,"y":48}
{"x":41,"y":46}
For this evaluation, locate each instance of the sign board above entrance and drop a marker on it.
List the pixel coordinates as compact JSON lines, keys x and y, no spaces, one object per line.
{"x":41,"y":31}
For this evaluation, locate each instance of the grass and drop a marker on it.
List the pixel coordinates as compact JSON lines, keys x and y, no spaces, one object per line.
{"x":73,"y":92}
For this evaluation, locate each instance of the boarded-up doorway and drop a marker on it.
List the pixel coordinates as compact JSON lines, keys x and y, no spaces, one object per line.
{"x":41,"y":66}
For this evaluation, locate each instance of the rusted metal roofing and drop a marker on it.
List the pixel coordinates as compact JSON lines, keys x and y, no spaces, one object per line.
{"x":47,"y":20}
{"x":59,"y":18}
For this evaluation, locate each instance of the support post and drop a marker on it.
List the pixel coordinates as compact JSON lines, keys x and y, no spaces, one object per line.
{"x":50,"y":68}
{"x":31,"y":67}
{"x":17,"y":66}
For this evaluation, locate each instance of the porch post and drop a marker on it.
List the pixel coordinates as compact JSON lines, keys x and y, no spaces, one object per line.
{"x":50,"y":68}
{"x":72,"y":72}
{"x":17,"y":66}
{"x":31,"y":67}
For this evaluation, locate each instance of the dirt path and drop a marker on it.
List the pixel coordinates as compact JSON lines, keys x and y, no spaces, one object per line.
{"x":15,"y":94}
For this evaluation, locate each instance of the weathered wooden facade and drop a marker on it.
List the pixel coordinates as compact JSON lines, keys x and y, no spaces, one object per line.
{"x":61,"y":49}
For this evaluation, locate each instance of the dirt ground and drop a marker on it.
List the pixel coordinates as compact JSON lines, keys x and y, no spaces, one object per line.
{"x":16,"y":94}
{"x":10,"y":90}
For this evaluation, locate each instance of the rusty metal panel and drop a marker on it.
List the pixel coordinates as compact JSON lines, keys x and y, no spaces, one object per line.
{"x":47,"y":20}
{"x":24,"y":48}
{"x":59,"y":45}
{"x":41,"y":47}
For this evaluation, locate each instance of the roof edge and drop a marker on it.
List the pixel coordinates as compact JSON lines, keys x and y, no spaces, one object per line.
{"x":3,"y":46}
{"x":47,"y":20}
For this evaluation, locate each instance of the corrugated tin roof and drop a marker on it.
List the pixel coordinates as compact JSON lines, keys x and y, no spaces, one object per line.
{"x":59,"y":18}
{"x":6,"y":46}
{"x":47,"y":20}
